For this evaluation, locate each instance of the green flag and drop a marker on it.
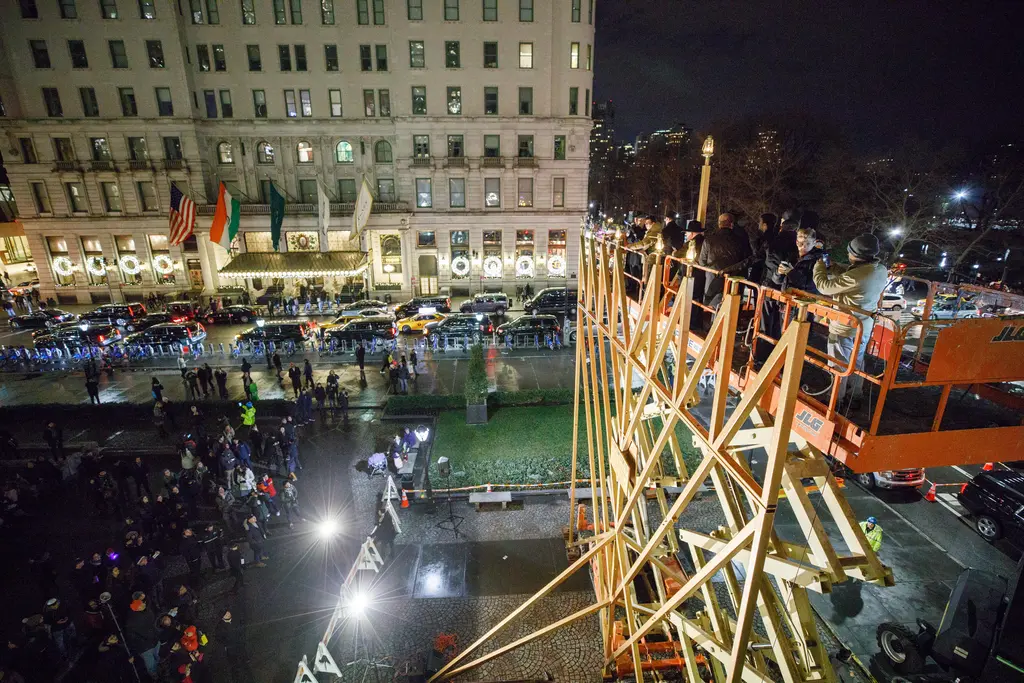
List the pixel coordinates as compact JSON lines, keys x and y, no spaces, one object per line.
{"x":276,"y":216}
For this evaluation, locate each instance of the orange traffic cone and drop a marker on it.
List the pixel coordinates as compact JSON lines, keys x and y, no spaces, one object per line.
{"x":930,"y":496}
{"x":987,"y":467}
{"x":405,"y":499}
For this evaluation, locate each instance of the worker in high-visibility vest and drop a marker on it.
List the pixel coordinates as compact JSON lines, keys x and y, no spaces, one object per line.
{"x":873,"y":532}
{"x":248,"y":414}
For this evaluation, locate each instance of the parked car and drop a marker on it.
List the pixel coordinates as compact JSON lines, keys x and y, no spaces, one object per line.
{"x":441,"y":304}
{"x":157,"y":318}
{"x":419,"y":322}
{"x":892,"y":479}
{"x":948,"y":310}
{"x":121,"y":315}
{"x":530,"y":325}
{"x":996,"y":500}
{"x":356,"y":309}
{"x":891,"y":301}
{"x":186,"y":332}
{"x":47,"y":317}
{"x":25,"y":287}
{"x":232,"y":314}
{"x":184,"y":310}
{"x":297,"y":331}
{"x":494,"y":302}
{"x":73,"y":335}
{"x":459,"y":325}
{"x":364,"y":329}
{"x":552,"y":300}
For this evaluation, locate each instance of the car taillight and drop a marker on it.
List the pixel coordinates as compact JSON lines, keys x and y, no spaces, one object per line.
{"x":102,"y":338}
{"x":963,"y":488}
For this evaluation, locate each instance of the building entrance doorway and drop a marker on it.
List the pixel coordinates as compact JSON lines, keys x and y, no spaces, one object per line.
{"x":428,"y":274}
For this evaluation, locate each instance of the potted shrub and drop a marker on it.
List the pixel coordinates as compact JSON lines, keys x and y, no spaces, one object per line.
{"x":476,"y":387}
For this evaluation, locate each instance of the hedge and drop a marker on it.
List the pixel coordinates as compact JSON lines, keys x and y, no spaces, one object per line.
{"x":432,"y":403}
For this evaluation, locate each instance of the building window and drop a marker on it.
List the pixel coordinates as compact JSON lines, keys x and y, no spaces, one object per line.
{"x":335,"y":97}
{"x":415,"y":10}
{"x":492,"y":192}
{"x":41,"y":198}
{"x":307,"y":191}
{"x":590,"y":12}
{"x":490,"y":10}
{"x":382,"y":57}
{"x":452,"y":54}
{"x":457,"y":193}
{"x":259,"y":104}
{"x":490,"y":55}
{"x":577,"y":6}
{"x":253,"y":52}
{"x":212,"y":13}
{"x":526,"y":146}
{"x":417,"y":54}
{"x":365,"y":58}
{"x":279,"y":14}
{"x":590,"y":56}
{"x":492,"y":146}
{"x":525,"y":55}
{"x":347,"y":190}
{"x":159,"y":245}
{"x":284,"y":54}
{"x":76,"y":197}
{"x":300,"y":57}
{"x":331,"y":57}
{"x":210,"y":99}
{"x":224,"y":154}
{"x":147,"y":195}
{"x":172,"y":148}
{"x":138,"y":150}
{"x":421,"y":146}
{"x":197,"y":11}
{"x":296,"y":8}
{"x":226,"y":110}
{"x":264,"y":153}
{"x":369,"y":106}
{"x":51,"y":98}
{"x":454,"y":100}
{"x":118,"y":56}
{"x":248,"y":12}
{"x":63,"y":149}
{"x":155,"y":52}
{"x":363,"y":12}
{"x":382,"y":152}
{"x":426,"y":239}
{"x":219,"y":60}
{"x":40,"y":55}
{"x":67,"y":9}
{"x":100,"y":149}
{"x":586,"y":102}
{"x":164,"y":106}
{"x":290,"y":109}
{"x":111,"y":197}
{"x":525,"y":192}
{"x":128,"y":105}
{"x":343,"y":152}
{"x":79,"y":60}
{"x":29,"y":10}
{"x":525,"y":10}
{"x":378,"y":12}
{"x":558,"y":192}
{"x":574,"y":101}
{"x":327,"y":12}
{"x":560,"y":147}
{"x":386,"y":190}
{"x":456,"y":148}
{"x":491,"y":100}
{"x":424,"y":197}
{"x":202,"y":58}
{"x":90,"y":107}
{"x":305,"y":103}
{"x":28,"y":151}
{"x":526,"y":101}
{"x":391,"y":253}
{"x":305,"y":151}
{"x":574,"y":55}
{"x":419,"y":99}
{"x":385,"y":102}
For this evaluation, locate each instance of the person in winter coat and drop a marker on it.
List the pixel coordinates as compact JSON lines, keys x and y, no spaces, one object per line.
{"x":221,"y":378}
{"x":54,"y":437}
{"x":859,"y":284}
{"x":226,"y":507}
{"x":256,"y":442}
{"x":725,"y":250}
{"x":229,"y":636}
{"x":277,"y":364}
{"x":361,"y":359}
{"x":256,"y":537}
{"x":290,"y":503}
{"x":343,"y":404}
{"x":182,"y":365}
{"x":193,"y":555}
{"x":227,"y":461}
{"x":266,"y":487}
{"x":205,"y":376}
{"x":140,"y":632}
{"x":307,"y":373}
{"x":157,"y":390}
{"x":248,"y":414}
{"x":241,"y":449}
{"x":254,"y":392}
{"x":321,"y":399}
{"x":113,"y":663}
{"x":332,"y":389}
{"x":295,"y":375}
{"x":809,"y":250}
{"x":759,"y":239}
{"x":243,"y":480}
{"x":212,"y":541}
{"x":236,"y":565}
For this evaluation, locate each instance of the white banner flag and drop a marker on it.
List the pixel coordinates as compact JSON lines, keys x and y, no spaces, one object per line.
{"x":362,"y":212}
{"x":324,"y":662}
{"x":324,"y":212}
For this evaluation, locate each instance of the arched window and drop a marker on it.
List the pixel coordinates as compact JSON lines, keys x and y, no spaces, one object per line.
{"x":382,"y":152}
{"x":305,"y":152}
{"x":224,"y":153}
{"x":391,"y":254}
{"x":265,"y":153}
{"x":343,"y":153}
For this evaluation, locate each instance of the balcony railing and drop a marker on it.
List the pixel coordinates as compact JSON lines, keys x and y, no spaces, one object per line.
{"x":526,"y":162}
{"x":140,"y":165}
{"x":175,"y":164}
{"x":492,"y":162}
{"x":66,"y":166}
{"x":455,"y":162}
{"x":421,"y":161}
{"x":101,"y":165}
{"x":337,"y":209}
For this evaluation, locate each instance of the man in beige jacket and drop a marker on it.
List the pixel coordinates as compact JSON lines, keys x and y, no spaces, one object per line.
{"x":859,"y":284}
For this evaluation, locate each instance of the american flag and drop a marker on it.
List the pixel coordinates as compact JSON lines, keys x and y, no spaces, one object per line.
{"x":183,"y":216}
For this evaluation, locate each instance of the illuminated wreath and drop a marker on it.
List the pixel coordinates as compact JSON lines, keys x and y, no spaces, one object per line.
{"x":96,"y":266}
{"x":163,"y":264}
{"x":130,"y":264}
{"x":492,"y":266}
{"x":460,"y":266}
{"x":556,"y":265}
{"x":63,"y":266}
{"x":524,"y":266}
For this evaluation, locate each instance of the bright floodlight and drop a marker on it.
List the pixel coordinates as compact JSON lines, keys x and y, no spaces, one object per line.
{"x":328,"y":528}
{"x":260,"y":322}
{"x":422,"y":433}
{"x":357,"y":604}
{"x":961,"y":194}
{"x":83,"y":326}
{"x":896,"y":232}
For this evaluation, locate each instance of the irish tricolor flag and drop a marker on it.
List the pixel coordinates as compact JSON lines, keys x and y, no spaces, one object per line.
{"x":225,"y":218}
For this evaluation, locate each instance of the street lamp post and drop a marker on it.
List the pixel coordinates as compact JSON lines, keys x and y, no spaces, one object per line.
{"x":705,"y":179}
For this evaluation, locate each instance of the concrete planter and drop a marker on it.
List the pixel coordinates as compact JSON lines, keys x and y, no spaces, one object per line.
{"x":476,"y":413}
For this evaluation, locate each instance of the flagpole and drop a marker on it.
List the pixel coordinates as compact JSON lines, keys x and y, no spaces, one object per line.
{"x":282,"y":189}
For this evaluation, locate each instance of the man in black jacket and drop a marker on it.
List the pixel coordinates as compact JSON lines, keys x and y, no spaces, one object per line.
{"x":193,"y":555}
{"x":726,"y":250}
{"x":256,"y":539}
{"x":236,"y":564}
{"x":212,"y":542}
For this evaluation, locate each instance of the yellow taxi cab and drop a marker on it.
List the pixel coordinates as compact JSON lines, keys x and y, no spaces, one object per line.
{"x":419,"y":322}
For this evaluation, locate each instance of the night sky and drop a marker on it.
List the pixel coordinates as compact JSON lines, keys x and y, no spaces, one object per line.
{"x":941,"y":70}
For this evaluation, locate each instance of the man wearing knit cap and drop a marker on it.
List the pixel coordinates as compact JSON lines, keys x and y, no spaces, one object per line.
{"x":140,"y":632}
{"x":858,"y":284}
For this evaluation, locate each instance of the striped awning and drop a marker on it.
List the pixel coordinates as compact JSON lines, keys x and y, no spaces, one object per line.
{"x":297,"y":264}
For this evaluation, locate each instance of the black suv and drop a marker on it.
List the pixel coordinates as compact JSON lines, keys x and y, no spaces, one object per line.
{"x":530,"y":325}
{"x":996,"y":499}
{"x":364,"y":329}
{"x":169,"y":333}
{"x":558,"y":301}
{"x":441,"y":304}
{"x":232,"y":314}
{"x":459,"y":325}
{"x":297,"y":331}
{"x":43,"y":318}
{"x":495,"y":302}
{"x":73,"y":335}
{"x":122,"y":315}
